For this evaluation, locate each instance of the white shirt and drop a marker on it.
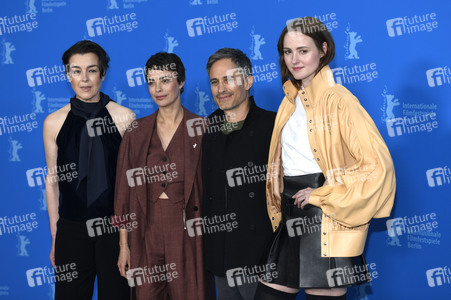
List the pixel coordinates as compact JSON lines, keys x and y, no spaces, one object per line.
{"x":297,"y":156}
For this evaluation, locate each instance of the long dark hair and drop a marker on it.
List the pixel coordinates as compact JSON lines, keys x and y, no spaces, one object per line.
{"x":315,"y":29}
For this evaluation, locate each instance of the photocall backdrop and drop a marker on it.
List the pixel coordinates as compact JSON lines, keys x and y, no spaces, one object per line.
{"x":393,"y":55}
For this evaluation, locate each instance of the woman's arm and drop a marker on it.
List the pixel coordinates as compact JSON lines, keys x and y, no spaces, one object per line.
{"x":51,"y":182}
{"x":362,"y":191}
{"x":123,"y":261}
{"x":122,"y":200}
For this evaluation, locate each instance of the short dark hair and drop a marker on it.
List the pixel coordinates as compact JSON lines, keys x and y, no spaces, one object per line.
{"x":164,"y":61}
{"x":236,"y":55}
{"x":315,"y":29}
{"x":83,"y":47}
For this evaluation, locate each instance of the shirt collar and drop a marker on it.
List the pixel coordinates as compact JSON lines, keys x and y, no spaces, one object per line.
{"x":322,"y":81}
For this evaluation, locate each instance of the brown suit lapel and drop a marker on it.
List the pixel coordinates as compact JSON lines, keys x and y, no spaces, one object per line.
{"x":142,"y":141}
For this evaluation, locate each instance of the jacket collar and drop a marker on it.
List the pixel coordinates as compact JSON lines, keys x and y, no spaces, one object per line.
{"x":321,"y":82}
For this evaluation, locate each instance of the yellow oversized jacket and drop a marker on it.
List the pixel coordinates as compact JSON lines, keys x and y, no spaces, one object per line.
{"x":353,"y":157}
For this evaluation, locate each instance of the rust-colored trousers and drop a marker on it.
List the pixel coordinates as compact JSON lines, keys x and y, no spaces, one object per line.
{"x":170,"y":256}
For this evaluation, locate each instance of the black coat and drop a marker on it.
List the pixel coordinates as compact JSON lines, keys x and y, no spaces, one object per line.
{"x":247,"y":243}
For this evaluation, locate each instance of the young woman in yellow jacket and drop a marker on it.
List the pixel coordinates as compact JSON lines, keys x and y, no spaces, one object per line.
{"x":329,"y":174}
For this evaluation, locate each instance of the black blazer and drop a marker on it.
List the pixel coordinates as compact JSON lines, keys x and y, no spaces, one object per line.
{"x":233,"y":176}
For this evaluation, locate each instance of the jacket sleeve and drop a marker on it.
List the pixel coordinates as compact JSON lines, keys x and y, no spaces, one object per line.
{"x":122,"y":194}
{"x":364,"y":190}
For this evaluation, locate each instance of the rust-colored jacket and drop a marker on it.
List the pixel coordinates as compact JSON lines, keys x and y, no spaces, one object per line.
{"x":351,"y":154}
{"x":133,"y":154}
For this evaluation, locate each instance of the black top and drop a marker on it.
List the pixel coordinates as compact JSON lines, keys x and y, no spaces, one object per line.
{"x":88,"y":145}
{"x":234,"y":181}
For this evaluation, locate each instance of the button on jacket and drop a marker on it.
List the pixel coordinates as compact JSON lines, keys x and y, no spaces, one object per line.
{"x":227,"y":160}
{"x":351,"y":154}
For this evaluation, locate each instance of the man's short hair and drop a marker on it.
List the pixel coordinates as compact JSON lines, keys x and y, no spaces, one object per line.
{"x":236,"y":55}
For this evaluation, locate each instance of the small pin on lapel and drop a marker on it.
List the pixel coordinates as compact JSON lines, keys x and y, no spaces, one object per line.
{"x":194,"y":146}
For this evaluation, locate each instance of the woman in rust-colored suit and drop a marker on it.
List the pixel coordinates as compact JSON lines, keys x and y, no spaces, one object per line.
{"x":158,"y":187}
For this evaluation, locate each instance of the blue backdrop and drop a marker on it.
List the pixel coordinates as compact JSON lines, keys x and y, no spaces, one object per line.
{"x":393,"y":55}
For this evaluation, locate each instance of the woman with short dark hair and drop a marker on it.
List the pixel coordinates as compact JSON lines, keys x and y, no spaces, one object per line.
{"x":159,"y":180}
{"x":82,"y":140}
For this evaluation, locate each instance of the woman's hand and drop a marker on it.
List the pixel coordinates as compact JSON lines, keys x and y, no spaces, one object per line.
{"x":302,"y":197}
{"x":52,"y":253}
{"x":124,"y":260}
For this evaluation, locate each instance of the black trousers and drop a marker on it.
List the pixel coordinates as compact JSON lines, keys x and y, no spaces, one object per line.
{"x":88,"y":257}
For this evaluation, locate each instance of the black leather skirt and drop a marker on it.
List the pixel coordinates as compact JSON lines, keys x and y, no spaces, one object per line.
{"x":296,"y":250}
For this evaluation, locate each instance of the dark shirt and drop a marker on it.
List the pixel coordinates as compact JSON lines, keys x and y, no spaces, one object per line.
{"x":234,"y":180}
{"x":73,"y":198}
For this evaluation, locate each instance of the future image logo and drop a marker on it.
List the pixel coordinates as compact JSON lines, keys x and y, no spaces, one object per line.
{"x":217,"y":123}
{"x":411,"y":125}
{"x":153,"y":274}
{"x":108,"y":225}
{"x":46,"y":75}
{"x":35,"y":77}
{"x":438,"y":76}
{"x":195,"y":27}
{"x":18,"y":23}
{"x":49,"y":275}
{"x":438,"y":176}
{"x":111,"y":25}
{"x":156,"y":173}
{"x":355,"y":74}
{"x":35,"y":277}
{"x":196,"y":126}
{"x":303,"y":225}
{"x":410,"y":25}
{"x":212,"y":224}
{"x":95,"y":127}
{"x":419,"y":230}
{"x":246,"y":175}
{"x":18,"y":223}
{"x":410,"y":225}
{"x":395,"y":227}
{"x":135,"y":277}
{"x":351,"y":275}
{"x":135,"y":177}
{"x":95,"y":27}
{"x":438,"y":276}
{"x":210,"y":25}
{"x":329,"y":20}
{"x":36,"y":177}
{"x":239,"y":276}
{"x":135,"y":77}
